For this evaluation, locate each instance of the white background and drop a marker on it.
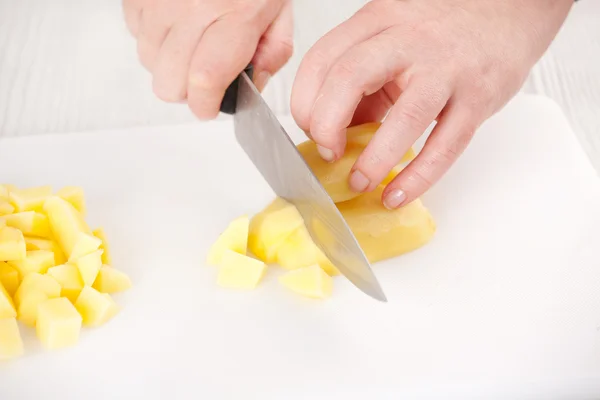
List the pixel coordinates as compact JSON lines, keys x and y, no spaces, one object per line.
{"x":69,"y":65}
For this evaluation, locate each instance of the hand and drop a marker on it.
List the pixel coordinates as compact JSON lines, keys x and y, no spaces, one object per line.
{"x":454,"y":61}
{"x":194,"y":49}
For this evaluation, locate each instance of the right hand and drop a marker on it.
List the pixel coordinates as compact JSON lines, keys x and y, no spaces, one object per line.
{"x":194,"y":49}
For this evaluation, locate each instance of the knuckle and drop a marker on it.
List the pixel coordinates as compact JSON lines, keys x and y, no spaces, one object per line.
{"x":412,"y":115}
{"x":419,"y":177}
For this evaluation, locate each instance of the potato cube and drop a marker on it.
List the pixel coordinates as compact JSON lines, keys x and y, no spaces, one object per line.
{"x":297,"y":251}
{"x":75,"y":196}
{"x":12,"y":244}
{"x":46,"y":244}
{"x":271,"y":227}
{"x":35,"y":261}
{"x":95,"y":308}
{"x":31,"y":223}
{"x":31,"y":199}
{"x":235,"y":238}
{"x":70,"y":281}
{"x":384,"y":234}
{"x":37,"y":283}
{"x":67,"y":225}
{"x":89,"y":266}
{"x":58,"y":323}
{"x":238,"y":271}
{"x":86,"y":244}
{"x":106,"y":258}
{"x":6,"y":207}
{"x":11,"y":345}
{"x":309,"y":281}
{"x":111,"y":280}
{"x":9,"y":278}
{"x":3,"y":192}
{"x":7,"y":307}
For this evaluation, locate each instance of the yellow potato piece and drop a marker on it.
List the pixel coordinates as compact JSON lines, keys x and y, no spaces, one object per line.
{"x":37,"y":283}
{"x":234,"y":238}
{"x":94,"y":307}
{"x":85,"y":244}
{"x":309,"y":281}
{"x":3,"y":192}
{"x":11,"y":344}
{"x":7,"y":306}
{"x":89,"y":266}
{"x":12,"y":244}
{"x":106,"y":258}
{"x":384,"y":234}
{"x":75,"y":196}
{"x":70,"y":281}
{"x":31,"y":199}
{"x":271,"y":227}
{"x":299,"y":251}
{"x":238,"y":271}
{"x":111,"y":280}
{"x":6,"y":207}
{"x":9,"y":278}
{"x":334,"y":176}
{"x":58,"y":323}
{"x":31,"y":223}
{"x":68,"y":226}
{"x":46,"y":244}
{"x":35,"y":261}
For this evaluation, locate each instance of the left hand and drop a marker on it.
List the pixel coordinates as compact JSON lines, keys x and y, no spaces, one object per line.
{"x":454,"y":61}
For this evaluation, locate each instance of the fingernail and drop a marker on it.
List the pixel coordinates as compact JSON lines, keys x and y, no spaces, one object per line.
{"x":325,"y":153}
{"x":394,"y":199}
{"x":359,"y":182}
{"x":261,"y":80}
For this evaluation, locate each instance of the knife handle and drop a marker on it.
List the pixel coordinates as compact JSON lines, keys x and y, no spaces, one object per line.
{"x":230,"y":99}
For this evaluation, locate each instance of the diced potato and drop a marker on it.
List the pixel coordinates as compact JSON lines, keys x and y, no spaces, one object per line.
{"x":46,"y":244}
{"x":334,"y":176}
{"x":299,"y":251}
{"x":31,"y":223}
{"x":325,"y":264}
{"x":11,"y":344}
{"x":2,"y":223}
{"x":86,"y":244}
{"x":68,"y":226}
{"x":70,"y":281}
{"x":12,"y":244}
{"x":37,"y":283}
{"x":7,"y":307}
{"x":308,"y":281}
{"x":89,"y":266}
{"x":9,"y":278}
{"x":6,"y":207}
{"x":111,"y":280}
{"x":75,"y":196}
{"x":106,"y":258}
{"x":271,"y":227}
{"x":235,"y":238}
{"x":3,"y":192}
{"x":58,"y":323}
{"x":384,"y":234}
{"x":94,"y":307}
{"x":35,"y":261}
{"x":238,"y":271}
{"x":31,"y":199}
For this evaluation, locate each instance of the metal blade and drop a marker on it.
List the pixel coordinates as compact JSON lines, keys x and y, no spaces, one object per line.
{"x":274,"y":154}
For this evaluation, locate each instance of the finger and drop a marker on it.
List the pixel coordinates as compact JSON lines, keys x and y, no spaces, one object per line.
{"x":372,"y":108}
{"x":153,"y":29}
{"x":446,"y":143}
{"x":361,"y":71}
{"x":172,"y":65}
{"x":414,"y":111}
{"x":275,"y":47}
{"x":221,"y":55}
{"x":132,"y":10}
{"x":365,"y":24}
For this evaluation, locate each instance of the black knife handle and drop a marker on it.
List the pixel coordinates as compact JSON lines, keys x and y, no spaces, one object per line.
{"x":230,"y":99}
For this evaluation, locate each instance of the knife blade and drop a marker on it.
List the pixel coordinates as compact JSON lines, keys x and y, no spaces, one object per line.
{"x":274,"y":154}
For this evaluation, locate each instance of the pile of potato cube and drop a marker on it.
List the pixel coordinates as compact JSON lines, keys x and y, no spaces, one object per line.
{"x":55,"y":272}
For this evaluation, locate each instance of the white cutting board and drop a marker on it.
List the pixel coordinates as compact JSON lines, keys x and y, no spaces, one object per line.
{"x":503,"y":303}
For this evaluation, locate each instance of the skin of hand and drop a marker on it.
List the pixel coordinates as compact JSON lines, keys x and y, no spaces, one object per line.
{"x":414,"y":62}
{"x":194,"y":49}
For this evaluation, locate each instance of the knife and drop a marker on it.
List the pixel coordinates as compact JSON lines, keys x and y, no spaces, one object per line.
{"x":274,"y":154}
